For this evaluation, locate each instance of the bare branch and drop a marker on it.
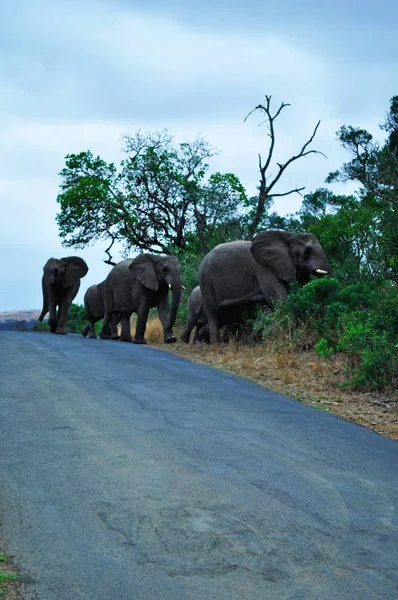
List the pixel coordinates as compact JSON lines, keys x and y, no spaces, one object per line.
{"x":107,"y":251}
{"x":265,"y":191}
{"x":295,"y":191}
{"x":282,"y":167}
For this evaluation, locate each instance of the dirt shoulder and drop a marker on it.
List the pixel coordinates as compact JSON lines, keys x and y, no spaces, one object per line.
{"x":10,"y":586}
{"x":303,"y":376}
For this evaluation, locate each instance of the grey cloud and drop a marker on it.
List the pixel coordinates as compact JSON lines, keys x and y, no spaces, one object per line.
{"x":82,"y":61}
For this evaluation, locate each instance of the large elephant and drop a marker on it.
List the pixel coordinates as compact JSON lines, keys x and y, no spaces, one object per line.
{"x":235,"y":275}
{"x":60,"y":282}
{"x":197,"y":318}
{"x":136,"y":285}
{"x":94,"y":304}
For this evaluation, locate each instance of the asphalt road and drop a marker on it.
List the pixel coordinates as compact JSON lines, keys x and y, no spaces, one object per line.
{"x":129,"y":473}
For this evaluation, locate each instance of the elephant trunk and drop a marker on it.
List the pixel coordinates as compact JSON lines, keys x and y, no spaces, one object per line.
{"x":175,"y":300}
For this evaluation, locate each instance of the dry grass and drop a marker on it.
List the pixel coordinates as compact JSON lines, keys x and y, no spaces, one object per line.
{"x":153,"y":331}
{"x":301,"y":375}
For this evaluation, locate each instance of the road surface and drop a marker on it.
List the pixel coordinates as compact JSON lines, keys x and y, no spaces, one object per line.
{"x":130,"y":473}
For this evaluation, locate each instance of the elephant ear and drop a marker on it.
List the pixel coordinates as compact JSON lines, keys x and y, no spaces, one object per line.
{"x":143,"y":269}
{"x":76,"y":268}
{"x":271,"y":249}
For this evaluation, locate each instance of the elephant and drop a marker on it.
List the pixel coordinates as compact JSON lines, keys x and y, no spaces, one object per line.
{"x":61,"y":282}
{"x":197,"y":317}
{"x":136,"y":285}
{"x":94,"y":304}
{"x":237,"y":274}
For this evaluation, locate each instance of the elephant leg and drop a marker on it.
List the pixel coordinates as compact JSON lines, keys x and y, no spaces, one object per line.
{"x":125,"y":335}
{"x":273,"y":289}
{"x":185,"y":335}
{"x":91,"y":327}
{"x":214,"y":326}
{"x":142,"y":317}
{"x":203,"y":334}
{"x":192,"y":321}
{"x":115,"y":318}
{"x":63,"y":316}
{"x":52,"y":320}
{"x":196,"y":334}
{"x":85,"y":330}
{"x":105,"y":332}
{"x":164,"y":316}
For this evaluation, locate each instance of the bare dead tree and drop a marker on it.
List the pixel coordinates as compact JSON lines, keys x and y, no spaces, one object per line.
{"x":266,"y":187}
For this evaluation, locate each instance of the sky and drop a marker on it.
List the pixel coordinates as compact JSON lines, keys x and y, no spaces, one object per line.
{"x":76,"y":75}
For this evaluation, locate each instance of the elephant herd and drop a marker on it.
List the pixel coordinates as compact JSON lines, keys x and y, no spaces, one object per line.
{"x":232,"y":278}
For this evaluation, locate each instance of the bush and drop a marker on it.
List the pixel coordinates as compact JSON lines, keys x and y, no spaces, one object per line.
{"x":76,"y":318}
{"x":189,"y":277}
{"x":359,"y":319}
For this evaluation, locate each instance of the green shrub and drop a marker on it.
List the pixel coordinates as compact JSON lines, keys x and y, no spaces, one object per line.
{"x":76,"y":318}
{"x":323,"y":349}
{"x":359,"y":319}
{"x":189,"y":277}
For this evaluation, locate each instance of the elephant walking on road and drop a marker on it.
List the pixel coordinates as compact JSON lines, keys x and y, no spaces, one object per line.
{"x":237,"y":274}
{"x":60,"y":283}
{"x":136,"y":285}
{"x":94,"y":304}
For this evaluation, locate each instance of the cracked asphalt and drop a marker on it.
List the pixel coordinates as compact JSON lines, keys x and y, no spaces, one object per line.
{"x":130,"y":473}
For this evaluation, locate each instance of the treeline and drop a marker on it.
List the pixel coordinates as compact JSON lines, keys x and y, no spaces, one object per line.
{"x":164,"y":199}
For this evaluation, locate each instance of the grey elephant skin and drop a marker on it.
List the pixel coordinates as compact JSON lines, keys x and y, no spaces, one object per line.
{"x":94,"y":305}
{"x":197,"y":318}
{"x":135,"y":286}
{"x":60,"y":283}
{"x":235,"y":275}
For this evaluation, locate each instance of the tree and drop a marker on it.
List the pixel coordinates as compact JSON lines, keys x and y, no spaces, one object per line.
{"x":374,"y":166}
{"x":159,"y":199}
{"x":267,"y":182}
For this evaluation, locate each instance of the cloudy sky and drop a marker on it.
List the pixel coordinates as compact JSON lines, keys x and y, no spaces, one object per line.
{"x":75,"y":75}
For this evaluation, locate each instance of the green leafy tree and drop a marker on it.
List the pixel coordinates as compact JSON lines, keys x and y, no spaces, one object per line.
{"x":374,"y":166}
{"x":159,"y":200}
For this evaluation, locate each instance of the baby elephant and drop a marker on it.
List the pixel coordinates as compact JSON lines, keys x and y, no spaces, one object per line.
{"x":197,"y":318}
{"x":94,"y":303}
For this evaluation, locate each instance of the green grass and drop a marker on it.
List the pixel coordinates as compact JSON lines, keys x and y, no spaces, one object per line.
{"x":7,"y":576}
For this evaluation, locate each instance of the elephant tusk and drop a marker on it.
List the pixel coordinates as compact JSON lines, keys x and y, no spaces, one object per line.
{"x":321,"y":271}
{"x":170,"y":286}
{"x":183,"y":287}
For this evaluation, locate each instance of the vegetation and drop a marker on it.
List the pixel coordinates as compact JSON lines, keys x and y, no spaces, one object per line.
{"x":164,"y":199}
{"x":7,"y":575}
